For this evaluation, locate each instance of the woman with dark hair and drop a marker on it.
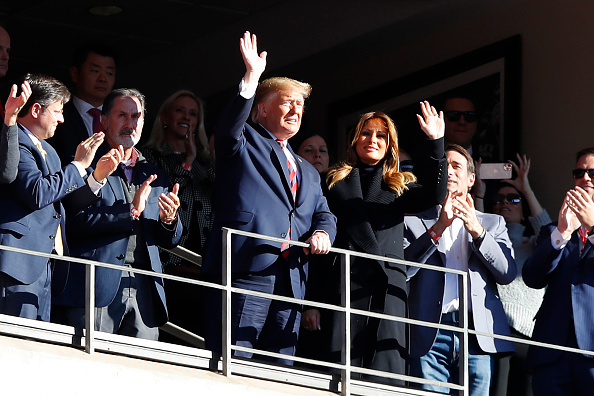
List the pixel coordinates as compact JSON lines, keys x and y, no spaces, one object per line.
{"x":315,"y":151}
{"x":369,"y":195}
{"x":178,"y":145}
{"x":524,"y":216}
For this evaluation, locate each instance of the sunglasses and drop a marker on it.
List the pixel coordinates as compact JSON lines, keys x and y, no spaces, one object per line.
{"x":469,"y":116}
{"x":513,"y":199}
{"x":579,"y":173}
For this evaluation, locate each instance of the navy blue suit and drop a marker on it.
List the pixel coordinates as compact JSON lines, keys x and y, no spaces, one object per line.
{"x":566,"y":316}
{"x":252,"y":194}
{"x":30,"y":216}
{"x":101,"y":232}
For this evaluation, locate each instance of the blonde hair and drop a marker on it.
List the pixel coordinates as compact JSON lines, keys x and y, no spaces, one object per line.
{"x":273,"y":85}
{"x":157,"y":140}
{"x":392,"y":176}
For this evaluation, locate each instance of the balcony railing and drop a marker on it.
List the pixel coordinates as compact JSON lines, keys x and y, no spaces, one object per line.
{"x":92,"y":340}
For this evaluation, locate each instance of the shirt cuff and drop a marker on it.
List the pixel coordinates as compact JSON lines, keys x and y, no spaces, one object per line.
{"x":557,"y":240}
{"x":81,"y":170}
{"x":247,"y":91}
{"x":94,"y":185}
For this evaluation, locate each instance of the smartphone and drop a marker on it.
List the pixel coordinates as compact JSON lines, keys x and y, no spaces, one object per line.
{"x":496,"y":171}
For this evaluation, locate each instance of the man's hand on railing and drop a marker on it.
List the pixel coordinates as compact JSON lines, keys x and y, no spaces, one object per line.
{"x":310,"y":320}
{"x":319,"y":243}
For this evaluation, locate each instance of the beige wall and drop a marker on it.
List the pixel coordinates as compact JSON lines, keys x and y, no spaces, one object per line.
{"x":557,"y":81}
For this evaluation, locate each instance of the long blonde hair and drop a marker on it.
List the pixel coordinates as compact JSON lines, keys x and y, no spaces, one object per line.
{"x":392,"y":176}
{"x":157,"y":139}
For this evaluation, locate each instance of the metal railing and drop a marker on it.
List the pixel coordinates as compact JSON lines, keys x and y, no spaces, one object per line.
{"x":93,"y":340}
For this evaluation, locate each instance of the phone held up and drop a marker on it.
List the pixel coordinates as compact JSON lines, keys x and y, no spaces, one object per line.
{"x":496,"y":171}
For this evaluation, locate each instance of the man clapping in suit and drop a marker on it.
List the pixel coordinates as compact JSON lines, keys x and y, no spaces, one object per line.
{"x":457,"y":236}
{"x":137,"y":213}
{"x":563,"y":262}
{"x":262,"y":186}
{"x":32,"y":215}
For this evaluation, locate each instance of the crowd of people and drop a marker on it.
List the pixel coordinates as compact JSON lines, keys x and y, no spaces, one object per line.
{"x":74,"y":182}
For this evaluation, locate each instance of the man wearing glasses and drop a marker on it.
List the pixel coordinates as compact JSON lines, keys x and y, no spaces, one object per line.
{"x":563,"y":262}
{"x":461,"y":122}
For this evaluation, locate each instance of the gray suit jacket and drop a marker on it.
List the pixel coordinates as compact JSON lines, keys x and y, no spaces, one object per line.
{"x":488,"y":265}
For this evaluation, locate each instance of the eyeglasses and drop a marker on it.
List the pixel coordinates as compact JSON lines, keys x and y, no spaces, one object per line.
{"x":579,"y":173}
{"x":406,"y":166}
{"x":513,"y":199}
{"x":469,"y":116}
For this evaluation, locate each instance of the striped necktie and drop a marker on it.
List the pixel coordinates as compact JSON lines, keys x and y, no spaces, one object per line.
{"x":293,"y":187}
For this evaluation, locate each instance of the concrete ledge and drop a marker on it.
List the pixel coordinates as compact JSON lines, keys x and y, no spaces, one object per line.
{"x":30,"y":367}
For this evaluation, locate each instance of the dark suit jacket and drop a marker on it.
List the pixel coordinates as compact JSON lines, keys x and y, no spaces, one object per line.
{"x":32,"y":209}
{"x":252,"y":194}
{"x":569,"y":299}
{"x":101,"y":232}
{"x":69,"y":134}
{"x":488,"y":265}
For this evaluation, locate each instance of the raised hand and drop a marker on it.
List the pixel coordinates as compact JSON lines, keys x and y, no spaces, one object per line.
{"x":431,"y":122}
{"x":522,"y":168}
{"x":464,"y":210}
{"x":580,"y":203}
{"x":255,"y":63}
{"x":15,"y":103}
{"x":169,"y":203}
{"x":85,"y":152}
{"x":446,"y":216}
{"x":108,"y":163}
{"x":141,"y":196}
{"x":568,"y":221}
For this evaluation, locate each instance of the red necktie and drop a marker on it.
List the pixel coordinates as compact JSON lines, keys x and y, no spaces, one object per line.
{"x":584,"y":235}
{"x":96,"y":114}
{"x":293,"y":187}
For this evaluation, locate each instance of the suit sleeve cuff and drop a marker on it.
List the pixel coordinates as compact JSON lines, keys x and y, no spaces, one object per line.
{"x":557,"y":240}
{"x":247,"y":91}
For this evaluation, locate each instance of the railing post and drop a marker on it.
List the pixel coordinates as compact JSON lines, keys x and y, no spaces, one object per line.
{"x":226,"y":275}
{"x":90,"y":309}
{"x":463,"y":310}
{"x":345,"y":282}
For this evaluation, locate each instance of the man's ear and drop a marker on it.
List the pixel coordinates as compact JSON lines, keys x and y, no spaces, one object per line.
{"x":35,"y":110}
{"x":262,"y":110}
{"x":104,"y":122}
{"x":471,"y":180}
{"x":74,"y":74}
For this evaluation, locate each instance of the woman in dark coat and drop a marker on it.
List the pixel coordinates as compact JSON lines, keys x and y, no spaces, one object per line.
{"x":369,"y":196}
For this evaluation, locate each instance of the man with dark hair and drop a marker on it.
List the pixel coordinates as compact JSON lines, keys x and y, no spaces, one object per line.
{"x":264,"y":187}
{"x":563,"y":263}
{"x":137,"y":213}
{"x":457,"y":236}
{"x":32,"y":215}
{"x":92,"y":70}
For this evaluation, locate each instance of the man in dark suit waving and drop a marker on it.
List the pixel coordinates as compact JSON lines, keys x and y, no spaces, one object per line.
{"x":563,"y":262}
{"x":264,"y":187}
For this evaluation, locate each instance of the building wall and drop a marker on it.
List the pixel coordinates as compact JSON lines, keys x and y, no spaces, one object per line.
{"x":557,"y":85}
